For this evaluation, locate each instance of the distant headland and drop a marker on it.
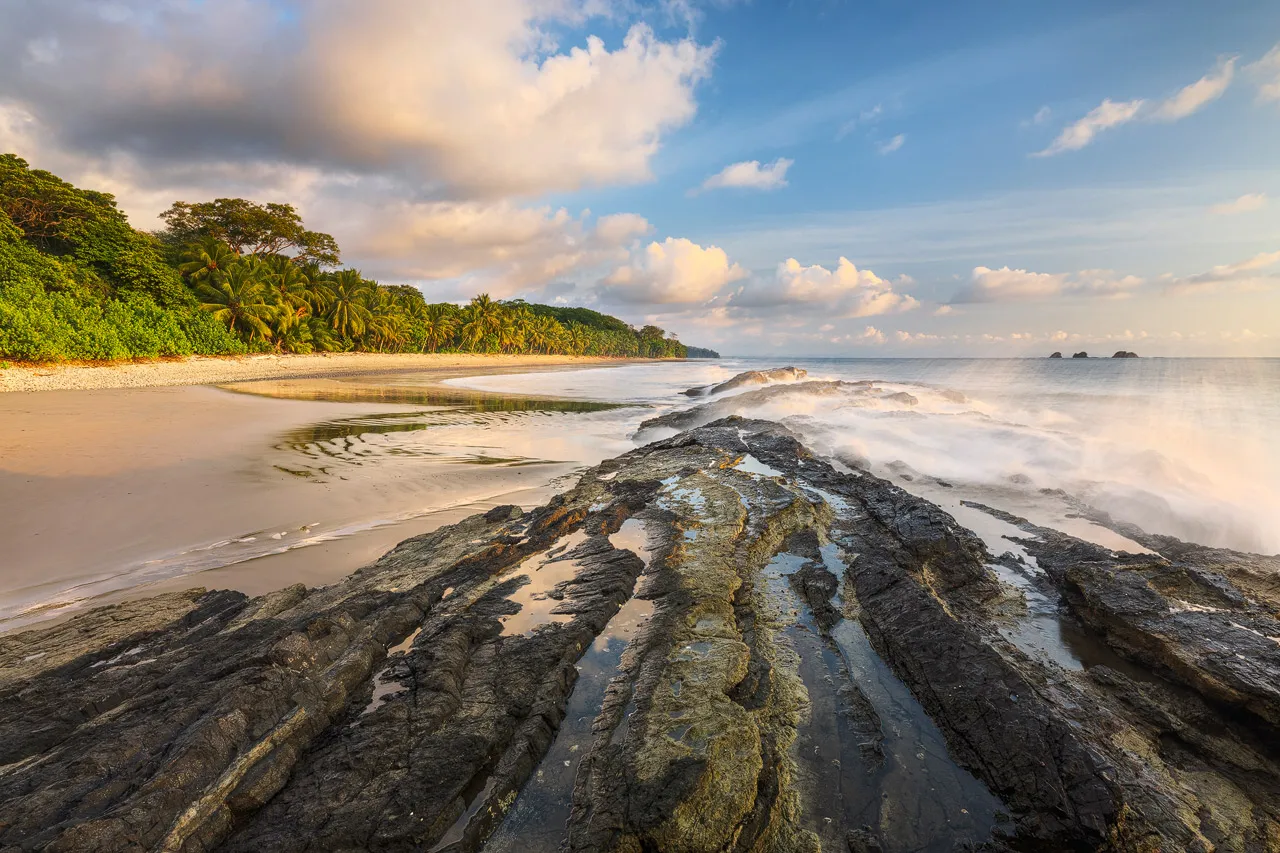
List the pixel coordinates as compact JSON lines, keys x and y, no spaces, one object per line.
{"x":1083,"y":354}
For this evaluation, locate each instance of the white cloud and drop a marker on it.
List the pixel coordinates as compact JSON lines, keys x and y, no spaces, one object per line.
{"x":1250,"y":274}
{"x":870,"y":335}
{"x":474,"y":98}
{"x":1105,"y":116}
{"x":619,"y":229}
{"x":500,"y":247}
{"x":751,"y":175}
{"x":1007,"y":285}
{"x":1191,"y":98}
{"x":676,"y":271}
{"x":409,"y":130}
{"x":892,"y":145}
{"x":1243,"y":204}
{"x":1109,"y":114}
{"x":1267,"y":72}
{"x":845,"y":291}
{"x":943,"y":310}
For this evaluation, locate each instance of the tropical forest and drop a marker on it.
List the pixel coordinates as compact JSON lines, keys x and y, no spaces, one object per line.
{"x":231,"y":276}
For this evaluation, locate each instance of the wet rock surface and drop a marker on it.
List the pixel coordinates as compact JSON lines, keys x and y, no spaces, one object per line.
{"x":755,"y":651}
{"x":749,"y":378}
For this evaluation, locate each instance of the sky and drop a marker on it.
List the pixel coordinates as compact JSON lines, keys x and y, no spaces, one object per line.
{"x":812,"y":177}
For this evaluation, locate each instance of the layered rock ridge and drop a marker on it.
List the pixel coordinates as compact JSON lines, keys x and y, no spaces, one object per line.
{"x":716,"y":642}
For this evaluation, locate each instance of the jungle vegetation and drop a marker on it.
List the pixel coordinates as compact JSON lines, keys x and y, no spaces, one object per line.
{"x":231,"y":276}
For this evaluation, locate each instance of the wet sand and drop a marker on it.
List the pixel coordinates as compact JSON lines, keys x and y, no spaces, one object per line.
{"x":200,"y":370}
{"x":110,"y":494}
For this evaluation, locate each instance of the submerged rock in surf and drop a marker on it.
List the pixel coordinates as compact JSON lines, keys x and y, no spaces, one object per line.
{"x":823,"y":661}
{"x":750,"y":377}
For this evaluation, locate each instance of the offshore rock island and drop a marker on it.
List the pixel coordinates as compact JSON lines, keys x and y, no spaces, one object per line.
{"x":715,"y":642}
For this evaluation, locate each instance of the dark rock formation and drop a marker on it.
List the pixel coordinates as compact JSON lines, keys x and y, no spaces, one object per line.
{"x":1125,"y":354}
{"x":828,"y":663}
{"x":1056,"y":355}
{"x":750,"y":377}
{"x":1081,"y":354}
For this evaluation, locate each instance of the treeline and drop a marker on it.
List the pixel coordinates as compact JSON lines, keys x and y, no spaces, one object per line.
{"x":231,"y":276}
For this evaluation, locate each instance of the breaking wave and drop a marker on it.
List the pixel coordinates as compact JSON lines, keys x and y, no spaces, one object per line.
{"x":1142,"y":459}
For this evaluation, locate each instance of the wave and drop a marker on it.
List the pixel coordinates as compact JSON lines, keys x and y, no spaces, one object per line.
{"x":1046,"y":462}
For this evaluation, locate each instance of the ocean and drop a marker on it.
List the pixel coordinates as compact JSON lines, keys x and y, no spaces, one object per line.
{"x":1183,"y":447}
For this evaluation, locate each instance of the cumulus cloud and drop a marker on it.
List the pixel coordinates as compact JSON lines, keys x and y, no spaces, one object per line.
{"x":1244,"y":204}
{"x":1105,"y":116}
{"x":473,"y":98}
{"x":870,"y":335}
{"x":1191,"y":98}
{"x":500,"y":247}
{"x":1009,"y":285}
{"x":409,"y":130}
{"x":1255,"y":273}
{"x":676,"y":271}
{"x":845,"y":291}
{"x":892,"y":145}
{"x":751,"y":175}
{"x":1266,"y":71}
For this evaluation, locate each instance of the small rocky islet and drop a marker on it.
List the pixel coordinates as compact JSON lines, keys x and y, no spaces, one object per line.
{"x":715,"y":642}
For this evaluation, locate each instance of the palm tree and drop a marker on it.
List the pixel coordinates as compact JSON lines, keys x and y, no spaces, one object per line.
{"x":238,"y":298}
{"x":290,"y":290}
{"x":545,"y":334}
{"x":295,"y":337}
{"x":387,"y":324}
{"x":577,"y":338}
{"x":349,"y":314}
{"x":438,"y":324}
{"x":480,"y":320}
{"x":322,"y":338}
{"x":509,"y":332}
{"x":206,"y":260}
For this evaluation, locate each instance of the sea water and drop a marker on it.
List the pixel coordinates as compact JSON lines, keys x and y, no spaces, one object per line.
{"x":1184,"y":447}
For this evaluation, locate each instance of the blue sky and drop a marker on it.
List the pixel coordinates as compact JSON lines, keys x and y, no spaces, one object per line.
{"x":565,"y":149}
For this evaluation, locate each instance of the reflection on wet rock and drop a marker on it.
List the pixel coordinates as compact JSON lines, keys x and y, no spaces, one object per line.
{"x":828,"y":662}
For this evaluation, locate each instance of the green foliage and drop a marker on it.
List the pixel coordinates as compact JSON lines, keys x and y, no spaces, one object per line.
{"x":38,"y":325}
{"x":78,"y":283}
{"x":248,"y":228}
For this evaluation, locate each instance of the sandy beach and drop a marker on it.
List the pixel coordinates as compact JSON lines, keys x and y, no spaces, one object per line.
{"x":302,"y":475}
{"x":209,"y":371}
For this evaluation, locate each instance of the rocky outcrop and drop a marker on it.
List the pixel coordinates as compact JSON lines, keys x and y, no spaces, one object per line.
{"x":786,"y":658}
{"x":750,"y":377}
{"x":1056,"y":355}
{"x":1080,"y":354}
{"x":1125,"y":354}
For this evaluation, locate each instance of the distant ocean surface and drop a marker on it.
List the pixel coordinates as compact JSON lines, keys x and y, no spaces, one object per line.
{"x":1186,"y":447}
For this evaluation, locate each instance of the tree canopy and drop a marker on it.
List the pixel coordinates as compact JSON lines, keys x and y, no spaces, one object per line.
{"x":233,"y":276}
{"x":249,"y":228}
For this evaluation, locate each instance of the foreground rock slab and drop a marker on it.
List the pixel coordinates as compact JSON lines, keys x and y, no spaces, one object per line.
{"x":716,"y":642}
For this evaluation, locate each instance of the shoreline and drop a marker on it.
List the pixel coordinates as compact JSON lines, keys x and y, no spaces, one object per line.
{"x":213,"y":370}
{"x":123,"y":460}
